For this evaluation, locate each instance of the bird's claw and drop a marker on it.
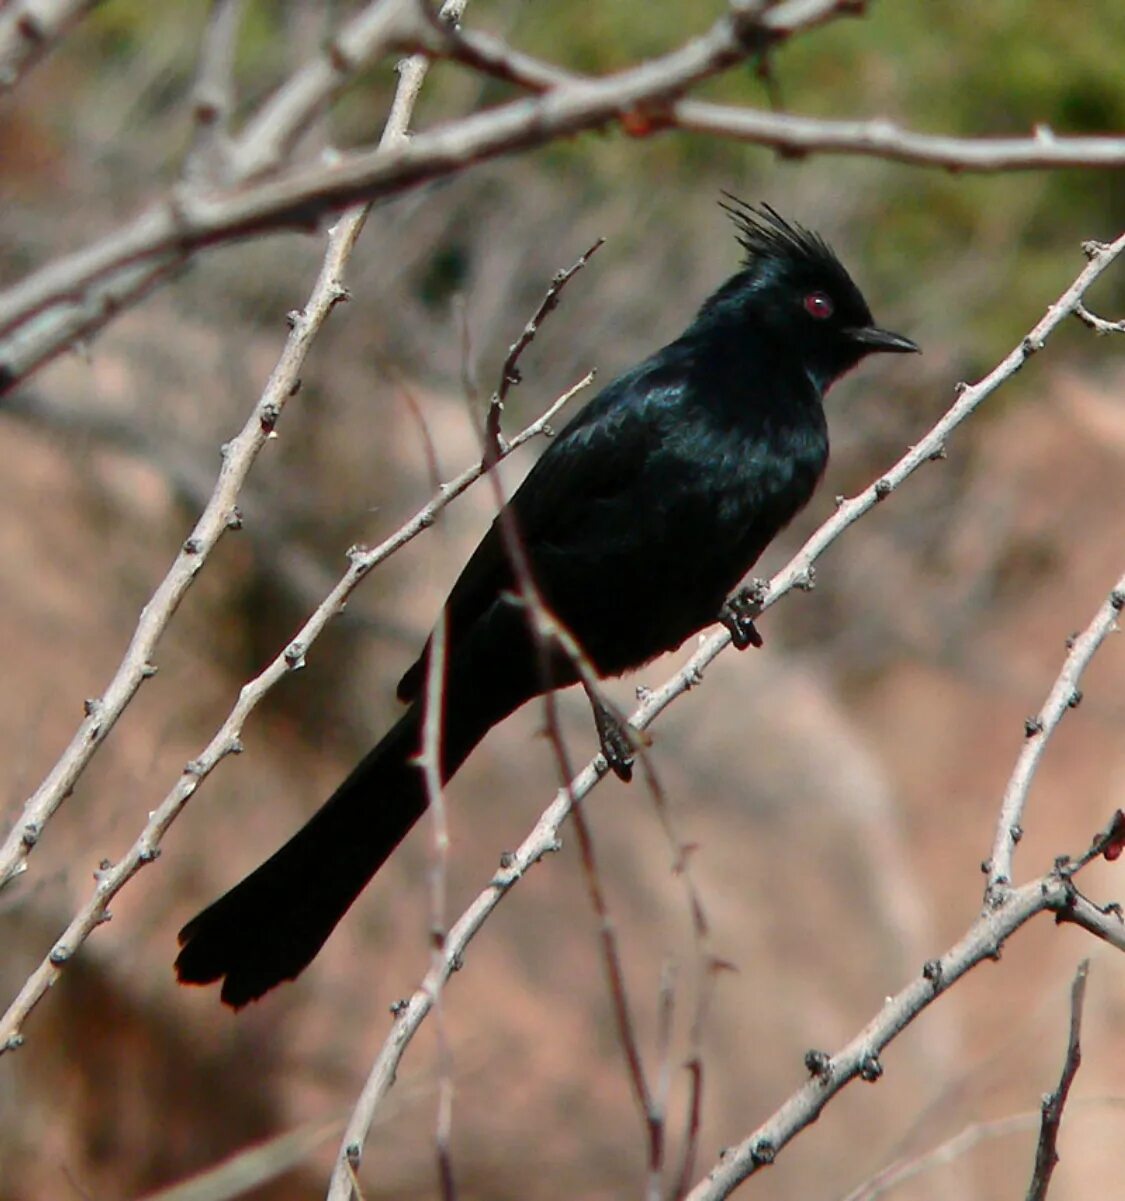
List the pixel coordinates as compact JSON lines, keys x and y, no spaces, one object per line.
{"x":737,"y":615}
{"x":616,"y":744}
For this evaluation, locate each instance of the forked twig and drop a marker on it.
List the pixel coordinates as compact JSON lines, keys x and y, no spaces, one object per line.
{"x":509,"y":372}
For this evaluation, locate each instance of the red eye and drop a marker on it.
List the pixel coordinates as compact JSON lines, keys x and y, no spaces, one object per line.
{"x":818,"y":305}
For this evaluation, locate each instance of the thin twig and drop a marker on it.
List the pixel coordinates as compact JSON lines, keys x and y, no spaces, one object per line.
{"x":618,"y":991}
{"x":270,"y":134}
{"x":430,"y":760}
{"x":965,"y":1140}
{"x":29,"y":29}
{"x":1064,"y":695}
{"x":510,"y":373}
{"x":212,"y":98}
{"x":708,"y":967}
{"x":1046,"y":1151}
{"x":1098,"y":324}
{"x":549,"y":635}
{"x":72,"y":324}
{"x":251,"y":1168}
{"x":693,"y":1112}
{"x":794,"y":136}
{"x":665,"y":1011}
{"x":694,"y":1123}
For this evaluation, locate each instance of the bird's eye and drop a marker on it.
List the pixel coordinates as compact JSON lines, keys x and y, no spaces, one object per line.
{"x":818,"y":305}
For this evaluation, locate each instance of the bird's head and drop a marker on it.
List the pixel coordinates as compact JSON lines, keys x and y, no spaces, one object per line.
{"x":796,"y":291}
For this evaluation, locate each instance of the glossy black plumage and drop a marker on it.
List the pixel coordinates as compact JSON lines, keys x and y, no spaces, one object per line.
{"x":638,"y":520}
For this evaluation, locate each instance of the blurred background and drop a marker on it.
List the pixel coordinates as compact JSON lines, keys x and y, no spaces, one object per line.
{"x":841,"y":785}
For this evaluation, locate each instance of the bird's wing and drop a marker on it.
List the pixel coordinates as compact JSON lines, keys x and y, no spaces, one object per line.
{"x":595,"y":458}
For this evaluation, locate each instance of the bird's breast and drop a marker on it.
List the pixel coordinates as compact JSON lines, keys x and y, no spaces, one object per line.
{"x":732,"y":477}
{"x":636,"y":575}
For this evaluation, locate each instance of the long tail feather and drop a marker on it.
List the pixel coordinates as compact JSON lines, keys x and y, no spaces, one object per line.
{"x":269,"y":927}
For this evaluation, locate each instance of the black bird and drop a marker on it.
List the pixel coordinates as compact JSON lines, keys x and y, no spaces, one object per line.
{"x":636,"y":523}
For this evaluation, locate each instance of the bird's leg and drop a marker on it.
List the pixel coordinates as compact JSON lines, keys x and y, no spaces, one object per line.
{"x":614,"y":736}
{"x":738,"y":613}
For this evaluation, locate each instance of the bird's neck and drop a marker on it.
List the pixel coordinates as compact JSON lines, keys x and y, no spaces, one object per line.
{"x":741,"y":370}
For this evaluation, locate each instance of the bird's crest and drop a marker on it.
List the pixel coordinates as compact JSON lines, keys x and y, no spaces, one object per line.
{"x":765,"y":235}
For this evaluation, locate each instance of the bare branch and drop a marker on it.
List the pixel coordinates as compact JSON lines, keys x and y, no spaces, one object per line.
{"x":658,"y":1116}
{"x":983,"y":941}
{"x":252,"y":1167}
{"x":619,"y":996}
{"x":550,"y":635}
{"x":213,"y":96}
{"x":902,"y":1170}
{"x":430,"y":762}
{"x":644,"y":99}
{"x":65,"y":325}
{"x":694,"y":1111}
{"x":192,"y":220}
{"x":1104,"y":922}
{"x":1046,"y":1152}
{"x":1098,"y":324}
{"x":509,"y":373}
{"x":219,"y":515}
{"x":268,"y":137}
{"x":961,"y":1143}
{"x":1064,"y":695}
{"x":795,"y":136}
{"x":29,"y":29}
{"x":1108,"y":843}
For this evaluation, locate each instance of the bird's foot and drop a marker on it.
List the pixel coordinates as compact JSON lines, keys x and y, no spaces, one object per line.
{"x":616,"y":740}
{"x":738,"y":613}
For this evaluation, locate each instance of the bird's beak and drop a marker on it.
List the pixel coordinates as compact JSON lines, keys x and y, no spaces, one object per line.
{"x":872,"y":339}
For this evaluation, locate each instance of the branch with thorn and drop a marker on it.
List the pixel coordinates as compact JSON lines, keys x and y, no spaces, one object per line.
{"x":861,"y":1057}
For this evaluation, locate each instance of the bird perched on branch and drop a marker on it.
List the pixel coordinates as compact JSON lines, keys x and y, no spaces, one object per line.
{"x":634,"y":526}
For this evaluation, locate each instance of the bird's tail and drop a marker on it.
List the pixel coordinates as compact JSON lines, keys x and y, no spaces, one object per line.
{"x":269,"y":927}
